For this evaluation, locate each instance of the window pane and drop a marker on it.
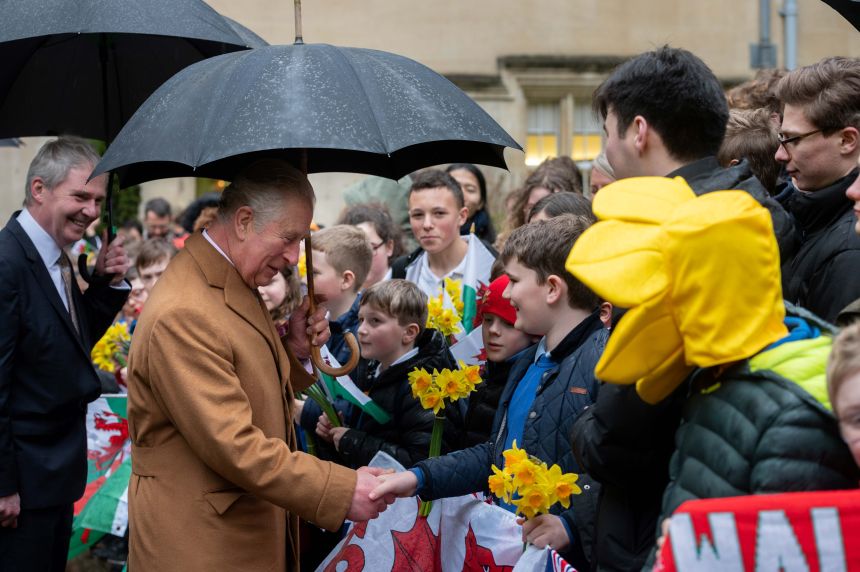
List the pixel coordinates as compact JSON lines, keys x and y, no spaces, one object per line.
{"x":542,"y":137}
{"x":540,"y":147}
{"x":586,"y":147}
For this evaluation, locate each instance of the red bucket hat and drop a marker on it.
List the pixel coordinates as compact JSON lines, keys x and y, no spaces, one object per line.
{"x":490,"y":301}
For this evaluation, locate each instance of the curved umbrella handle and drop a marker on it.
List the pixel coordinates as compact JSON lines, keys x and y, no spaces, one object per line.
{"x":354,"y":353}
{"x":316,"y":358}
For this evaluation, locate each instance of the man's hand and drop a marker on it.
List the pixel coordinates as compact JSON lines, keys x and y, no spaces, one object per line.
{"x":545,"y":530}
{"x":10,"y":508}
{"x":112,"y":259}
{"x":303,"y":325}
{"x":402,"y":484}
{"x":362,"y":507}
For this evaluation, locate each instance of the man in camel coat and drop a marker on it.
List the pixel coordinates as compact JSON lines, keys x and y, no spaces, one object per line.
{"x":217,"y":483}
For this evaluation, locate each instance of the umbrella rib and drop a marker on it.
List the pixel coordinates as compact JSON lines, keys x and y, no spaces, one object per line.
{"x":366,"y":98}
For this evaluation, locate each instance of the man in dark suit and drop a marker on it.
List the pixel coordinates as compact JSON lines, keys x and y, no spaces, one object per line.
{"x":47,"y":330}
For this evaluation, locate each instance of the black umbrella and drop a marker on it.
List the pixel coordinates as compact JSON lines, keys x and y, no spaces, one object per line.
{"x":850,"y":10}
{"x":85,"y":66}
{"x":323,"y":107}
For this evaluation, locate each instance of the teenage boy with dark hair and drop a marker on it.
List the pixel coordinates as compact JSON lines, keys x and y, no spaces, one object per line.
{"x":436,"y":212}
{"x":665,"y":114}
{"x":820,"y":145}
{"x":549,"y":386}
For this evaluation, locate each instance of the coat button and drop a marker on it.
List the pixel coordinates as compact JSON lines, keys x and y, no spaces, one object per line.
{"x":533,"y":414}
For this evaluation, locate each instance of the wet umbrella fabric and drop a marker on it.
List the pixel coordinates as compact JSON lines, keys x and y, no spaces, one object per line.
{"x":340,"y":109}
{"x":84,"y":66}
{"x":849,"y":9}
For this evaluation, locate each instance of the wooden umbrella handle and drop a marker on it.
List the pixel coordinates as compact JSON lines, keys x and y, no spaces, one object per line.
{"x":316,"y":358}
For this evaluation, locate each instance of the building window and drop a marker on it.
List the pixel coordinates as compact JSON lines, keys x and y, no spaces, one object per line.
{"x":565,"y":127}
{"x":587,"y":137}
{"x":543,"y":132}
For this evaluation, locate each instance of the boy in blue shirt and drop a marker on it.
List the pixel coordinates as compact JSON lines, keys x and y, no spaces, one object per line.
{"x":547,"y":389}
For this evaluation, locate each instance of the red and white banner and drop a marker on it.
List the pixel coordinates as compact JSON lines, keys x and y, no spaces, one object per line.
{"x":807,"y":532}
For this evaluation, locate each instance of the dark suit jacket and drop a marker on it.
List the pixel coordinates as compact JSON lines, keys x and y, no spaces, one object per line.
{"x":46,"y":375}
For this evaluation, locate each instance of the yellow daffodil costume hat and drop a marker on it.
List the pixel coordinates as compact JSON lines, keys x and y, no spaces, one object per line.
{"x":700,"y":276}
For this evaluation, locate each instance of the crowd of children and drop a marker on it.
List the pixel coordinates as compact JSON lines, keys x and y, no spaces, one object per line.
{"x":545,"y":340}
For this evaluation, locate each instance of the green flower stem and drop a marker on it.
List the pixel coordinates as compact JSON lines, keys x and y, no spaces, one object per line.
{"x":319,"y":397}
{"x":435,"y":449}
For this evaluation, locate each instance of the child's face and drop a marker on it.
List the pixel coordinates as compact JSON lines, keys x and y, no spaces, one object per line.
{"x":380,"y":336}
{"x":435,"y":218}
{"x":275,"y":292}
{"x":136,"y":298}
{"x":149,"y":275}
{"x":847,"y":403}
{"x":528,"y":298}
{"x":501,"y":339}
{"x":328,"y":282}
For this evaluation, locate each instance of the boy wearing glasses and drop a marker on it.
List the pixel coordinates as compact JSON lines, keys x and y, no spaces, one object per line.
{"x":820,"y":145}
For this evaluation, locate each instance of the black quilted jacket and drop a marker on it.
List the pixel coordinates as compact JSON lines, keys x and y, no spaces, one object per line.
{"x":562,"y":395}
{"x":756,"y":433}
{"x":406,"y":437}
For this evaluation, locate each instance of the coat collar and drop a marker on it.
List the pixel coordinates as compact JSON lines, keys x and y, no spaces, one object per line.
{"x":239,"y":297}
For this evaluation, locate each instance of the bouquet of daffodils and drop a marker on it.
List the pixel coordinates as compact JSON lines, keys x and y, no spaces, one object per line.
{"x":111,"y":352}
{"x":527,"y":483}
{"x":436,"y":389}
{"x":447,"y":319}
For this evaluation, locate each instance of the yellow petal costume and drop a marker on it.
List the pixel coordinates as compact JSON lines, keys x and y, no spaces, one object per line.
{"x":700,"y":276}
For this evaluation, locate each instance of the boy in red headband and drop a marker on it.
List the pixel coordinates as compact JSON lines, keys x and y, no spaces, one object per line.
{"x":503,"y":344}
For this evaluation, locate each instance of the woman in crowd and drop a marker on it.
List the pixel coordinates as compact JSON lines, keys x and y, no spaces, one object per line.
{"x":383,"y":234}
{"x":474,"y":186}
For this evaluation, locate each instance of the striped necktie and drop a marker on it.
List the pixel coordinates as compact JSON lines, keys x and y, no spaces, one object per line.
{"x":68,"y":276}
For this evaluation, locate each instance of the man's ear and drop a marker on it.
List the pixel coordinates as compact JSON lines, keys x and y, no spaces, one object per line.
{"x":347,"y":280}
{"x":38,"y":190}
{"x":734,"y":162}
{"x":557,"y":289}
{"x":850,"y":140}
{"x":242,"y":221}
{"x":641,"y":131}
{"x":410,"y":332}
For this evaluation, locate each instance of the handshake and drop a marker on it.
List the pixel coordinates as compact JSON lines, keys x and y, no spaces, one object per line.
{"x":375,"y":489}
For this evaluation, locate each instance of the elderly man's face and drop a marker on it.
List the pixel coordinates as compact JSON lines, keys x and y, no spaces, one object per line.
{"x":260,"y":255}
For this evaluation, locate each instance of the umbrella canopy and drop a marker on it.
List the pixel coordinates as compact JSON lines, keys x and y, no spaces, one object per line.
{"x":849,"y":9}
{"x":84,"y":66}
{"x":322,"y":107}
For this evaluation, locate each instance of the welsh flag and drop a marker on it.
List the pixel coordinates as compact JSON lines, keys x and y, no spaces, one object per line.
{"x":479,"y":264}
{"x":462,"y":533}
{"x":470,"y":348}
{"x":345,"y":388}
{"x":476,"y":273}
{"x":104,"y":507}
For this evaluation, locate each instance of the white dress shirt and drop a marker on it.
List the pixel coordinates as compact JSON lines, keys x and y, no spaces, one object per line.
{"x":48,"y":251}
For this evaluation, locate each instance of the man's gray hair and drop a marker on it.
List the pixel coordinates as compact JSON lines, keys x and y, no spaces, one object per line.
{"x":55,"y":159}
{"x":262,"y":186}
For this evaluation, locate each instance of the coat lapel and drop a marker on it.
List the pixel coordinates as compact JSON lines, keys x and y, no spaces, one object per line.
{"x":239,"y":297}
{"x":46,"y":284}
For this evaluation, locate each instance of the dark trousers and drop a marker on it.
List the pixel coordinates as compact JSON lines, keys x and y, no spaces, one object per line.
{"x":40,"y":543}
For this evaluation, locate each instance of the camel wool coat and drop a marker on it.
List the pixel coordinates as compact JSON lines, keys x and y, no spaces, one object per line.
{"x":216,"y":481}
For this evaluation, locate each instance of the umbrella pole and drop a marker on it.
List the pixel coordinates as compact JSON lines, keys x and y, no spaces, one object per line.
{"x":316,"y":357}
{"x":298,"y":13}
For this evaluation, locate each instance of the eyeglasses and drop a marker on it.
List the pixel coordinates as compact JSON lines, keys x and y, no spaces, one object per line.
{"x":376,"y":247}
{"x":786,"y":141}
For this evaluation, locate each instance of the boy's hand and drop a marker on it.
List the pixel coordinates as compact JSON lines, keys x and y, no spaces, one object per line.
{"x":336,"y":434}
{"x":402,"y":484}
{"x":324,"y":428}
{"x":545,"y":530}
